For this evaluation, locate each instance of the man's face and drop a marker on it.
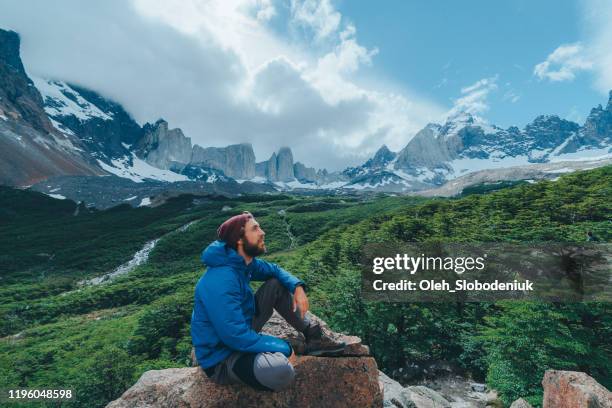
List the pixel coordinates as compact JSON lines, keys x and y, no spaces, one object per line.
{"x":253,"y":240}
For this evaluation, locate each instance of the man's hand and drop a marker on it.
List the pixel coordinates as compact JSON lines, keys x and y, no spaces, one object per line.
{"x":300,"y":300}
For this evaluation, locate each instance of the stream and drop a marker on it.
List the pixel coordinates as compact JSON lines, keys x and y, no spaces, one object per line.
{"x":292,"y":240}
{"x":139,"y":258}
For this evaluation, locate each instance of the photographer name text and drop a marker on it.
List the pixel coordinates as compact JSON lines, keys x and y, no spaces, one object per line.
{"x":429,"y":285}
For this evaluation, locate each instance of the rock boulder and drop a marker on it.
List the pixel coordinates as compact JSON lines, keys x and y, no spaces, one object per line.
{"x":571,"y":389}
{"x":521,"y":403}
{"x":277,"y":326}
{"x":351,"y":379}
{"x":319,"y":382}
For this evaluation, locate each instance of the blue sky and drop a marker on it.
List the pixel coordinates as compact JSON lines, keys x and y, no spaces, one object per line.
{"x":332,"y":79}
{"x":437,"y":47}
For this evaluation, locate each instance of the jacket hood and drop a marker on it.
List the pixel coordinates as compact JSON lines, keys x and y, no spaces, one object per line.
{"x":219,"y":254}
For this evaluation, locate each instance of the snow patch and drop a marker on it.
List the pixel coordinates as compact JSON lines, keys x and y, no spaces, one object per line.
{"x":144,"y":202}
{"x":387,"y":180}
{"x":293,"y":184}
{"x":557,"y":149}
{"x":585,"y":154}
{"x":538,"y":154}
{"x":332,"y":185}
{"x":60,"y":127}
{"x":464,"y":166}
{"x":140,"y":170}
{"x":61,"y":100}
{"x":256,"y":179}
{"x":57,"y":196}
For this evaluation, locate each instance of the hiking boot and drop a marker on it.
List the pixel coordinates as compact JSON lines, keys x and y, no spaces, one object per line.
{"x":319,"y":343}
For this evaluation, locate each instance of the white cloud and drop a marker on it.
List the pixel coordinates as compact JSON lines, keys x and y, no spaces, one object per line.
{"x":265,"y":10}
{"x":563,"y":63}
{"x":593,"y":53}
{"x":474,"y":97}
{"x":348,"y":55}
{"x":216,"y":70}
{"x":329,"y":72}
{"x":320,"y":16}
{"x":511,"y":96}
{"x":597,"y":15}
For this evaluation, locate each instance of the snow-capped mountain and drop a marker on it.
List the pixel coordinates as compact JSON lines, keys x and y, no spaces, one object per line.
{"x":156,"y":152}
{"x":31,"y":149}
{"x":105,"y":130}
{"x":53,"y":130}
{"x":116,"y":142}
{"x":466,"y":144}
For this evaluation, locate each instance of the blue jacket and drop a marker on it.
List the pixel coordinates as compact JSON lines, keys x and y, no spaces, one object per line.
{"x":224,"y":306}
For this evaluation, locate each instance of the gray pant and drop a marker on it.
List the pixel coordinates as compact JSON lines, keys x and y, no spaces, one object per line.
{"x":267,"y":371}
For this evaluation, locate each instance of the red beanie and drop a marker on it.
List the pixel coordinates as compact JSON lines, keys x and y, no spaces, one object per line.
{"x":233,"y":229}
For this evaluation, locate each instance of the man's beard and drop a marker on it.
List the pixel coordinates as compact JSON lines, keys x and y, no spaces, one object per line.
{"x":252,"y":250}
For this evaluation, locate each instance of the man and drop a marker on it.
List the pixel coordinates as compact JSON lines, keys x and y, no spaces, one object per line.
{"x":227,"y":317}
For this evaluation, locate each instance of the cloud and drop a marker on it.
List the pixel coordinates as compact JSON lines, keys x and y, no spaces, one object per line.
{"x":216,"y":70}
{"x":511,"y":95}
{"x":265,"y":10}
{"x":319,"y":16}
{"x":474,"y":97}
{"x":593,"y":53}
{"x":563,"y":63}
{"x":597,"y":15}
{"x":442,"y":83}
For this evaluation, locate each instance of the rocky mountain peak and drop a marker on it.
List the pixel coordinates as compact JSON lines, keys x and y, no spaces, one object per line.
{"x":461,"y":116}
{"x":382,"y":157}
{"x":164,"y":148}
{"x":460,"y":120}
{"x":18,"y":98}
{"x":597,"y":129}
{"x":161,"y":124}
{"x":545,"y":119}
{"x":545,"y":125}
{"x":31,"y":149}
{"x":304,"y":174}
{"x":284,"y":164}
{"x":236,"y":161}
{"x":279,"y":167}
{"x":9,"y":50}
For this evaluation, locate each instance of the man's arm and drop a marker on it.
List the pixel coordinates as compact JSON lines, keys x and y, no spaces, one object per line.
{"x":222,"y":295}
{"x":264,"y":270}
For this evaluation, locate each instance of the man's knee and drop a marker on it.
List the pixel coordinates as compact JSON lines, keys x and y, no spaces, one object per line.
{"x":274,"y":283}
{"x":273,"y":371}
{"x":275,"y":286}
